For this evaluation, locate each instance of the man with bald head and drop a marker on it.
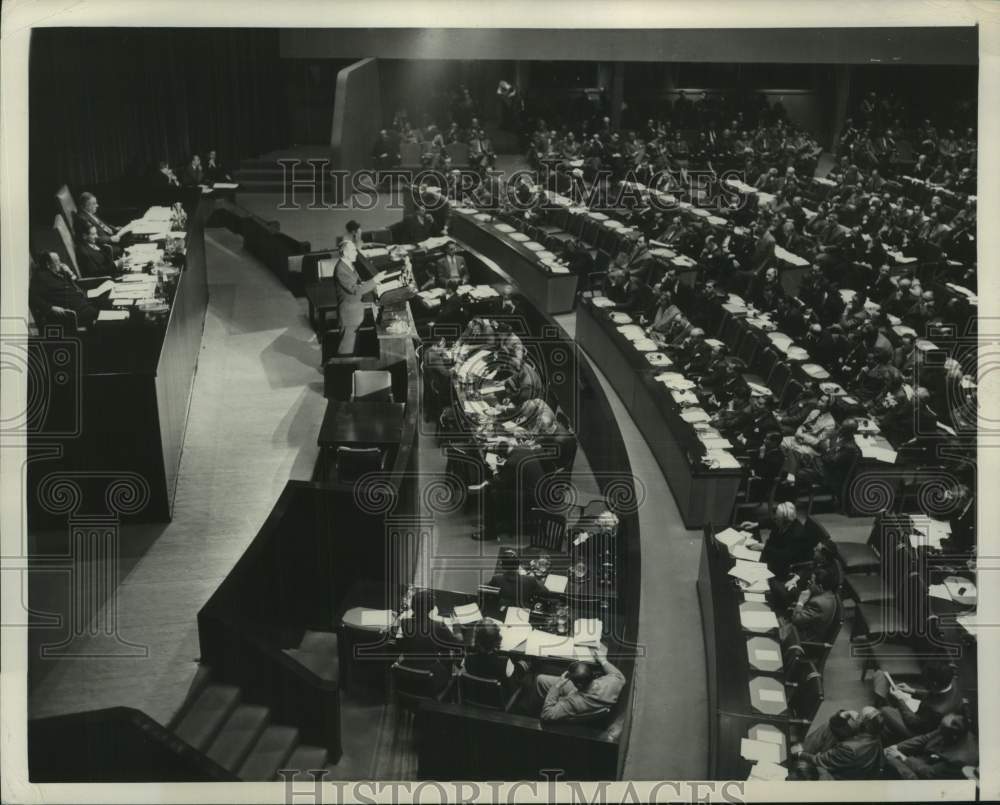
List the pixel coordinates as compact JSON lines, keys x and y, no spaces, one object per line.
{"x":579,"y":691}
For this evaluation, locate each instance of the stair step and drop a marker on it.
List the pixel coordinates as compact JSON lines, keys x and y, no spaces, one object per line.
{"x":319,"y":642}
{"x":238,"y":735}
{"x":272,"y":749}
{"x":324,"y":665}
{"x":304,"y":760}
{"x":206,"y":715}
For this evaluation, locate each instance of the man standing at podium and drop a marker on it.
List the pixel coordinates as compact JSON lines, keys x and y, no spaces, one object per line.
{"x":350,"y":290}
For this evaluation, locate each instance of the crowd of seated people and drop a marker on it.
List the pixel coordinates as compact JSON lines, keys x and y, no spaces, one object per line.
{"x":463,"y":126}
{"x":881,"y":261}
{"x":887,"y":739}
{"x":428,"y":643}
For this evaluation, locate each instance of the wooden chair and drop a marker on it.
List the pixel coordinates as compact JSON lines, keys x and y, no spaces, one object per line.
{"x":817,"y":653}
{"x":805,"y":699}
{"x":483,"y":692}
{"x":354,"y":462}
{"x":547,"y":531}
{"x":411,"y":686}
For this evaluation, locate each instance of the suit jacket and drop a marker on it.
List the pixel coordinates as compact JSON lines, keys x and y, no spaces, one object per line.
{"x":46,"y":290}
{"x":788,"y":547}
{"x":857,"y":758}
{"x":813,"y":619}
{"x":94,"y":261}
{"x":192,"y":176}
{"x":350,"y":289}
{"x":85,"y":219}
{"x":940,"y":761}
{"x":518,"y":590}
{"x":452,"y":268}
{"x":564,"y":700}
{"x":933,"y":707}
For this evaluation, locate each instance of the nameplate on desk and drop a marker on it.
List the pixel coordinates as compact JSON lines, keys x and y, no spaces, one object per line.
{"x":771,"y":695}
{"x":757,"y":618}
{"x":760,"y":750}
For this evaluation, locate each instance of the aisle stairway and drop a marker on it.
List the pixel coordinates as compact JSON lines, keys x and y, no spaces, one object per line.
{"x":242,"y":737}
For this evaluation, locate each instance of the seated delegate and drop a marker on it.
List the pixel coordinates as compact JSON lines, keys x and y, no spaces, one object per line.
{"x":856,"y":750}
{"x":941,"y":754}
{"x":94,"y":258}
{"x":53,"y":293}
{"x":485,"y":660}
{"x":516,"y":588}
{"x":579,"y":691}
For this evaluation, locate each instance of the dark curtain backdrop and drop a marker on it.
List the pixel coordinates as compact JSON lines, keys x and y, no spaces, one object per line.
{"x":107,"y":103}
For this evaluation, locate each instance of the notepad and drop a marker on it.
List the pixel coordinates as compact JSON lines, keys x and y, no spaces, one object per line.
{"x":588,"y":631}
{"x":467,"y":613}
{"x":768,"y":734}
{"x":517,"y":616}
{"x":511,"y":637}
{"x":556,"y":583}
{"x":692,"y":415}
{"x":731,"y":537}
{"x":767,"y":771}
{"x":745,"y":553}
{"x":760,"y":750}
{"x":103,"y":288}
{"x":377,"y":618}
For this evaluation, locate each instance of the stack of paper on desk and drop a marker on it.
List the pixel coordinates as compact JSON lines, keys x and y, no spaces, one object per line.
{"x":588,"y":632}
{"x":104,"y":287}
{"x":602,"y":301}
{"x":730,"y":537}
{"x":760,"y":750}
{"x":689,"y":398}
{"x":645,"y":345}
{"x":433,"y":293}
{"x":517,"y":616}
{"x":556,"y":583}
{"x":750,"y":572}
{"x":722,"y":460}
{"x":112,"y":315}
{"x":766,"y":771}
{"x":744,"y":553}
{"x":876,"y":448}
{"x":225,"y":186}
{"x":713,"y":442}
{"x":692,"y":415}
{"x":503,"y":227}
{"x":633,"y":332}
{"x":675,"y":382}
{"x":468,"y":613}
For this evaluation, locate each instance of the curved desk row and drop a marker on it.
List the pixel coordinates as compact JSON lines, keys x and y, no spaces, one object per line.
{"x":743,"y":700}
{"x":703,"y":494}
{"x":549,"y":291}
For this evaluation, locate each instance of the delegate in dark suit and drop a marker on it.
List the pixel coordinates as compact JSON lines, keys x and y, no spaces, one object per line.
{"x":452,"y":267}
{"x":53,"y":293}
{"x":95,"y":261}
